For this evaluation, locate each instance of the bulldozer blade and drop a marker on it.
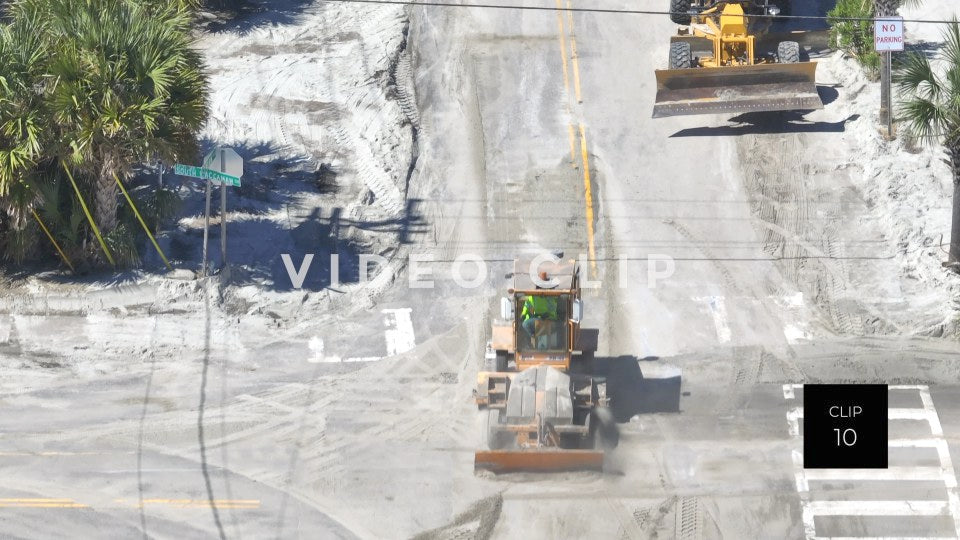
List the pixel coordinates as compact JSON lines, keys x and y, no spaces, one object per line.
{"x":737,"y":89}
{"x":505,"y":461}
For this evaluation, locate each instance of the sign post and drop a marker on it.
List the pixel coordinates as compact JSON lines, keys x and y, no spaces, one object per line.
{"x":888,"y":38}
{"x":206,"y":231}
{"x":230,"y":166}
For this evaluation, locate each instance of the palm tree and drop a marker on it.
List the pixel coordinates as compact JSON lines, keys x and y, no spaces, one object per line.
{"x":886,"y":8}
{"x":22,"y":128}
{"x":129,"y":87}
{"x":930,"y":107}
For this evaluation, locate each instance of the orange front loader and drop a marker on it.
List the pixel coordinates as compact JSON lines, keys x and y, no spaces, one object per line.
{"x":545,"y":412}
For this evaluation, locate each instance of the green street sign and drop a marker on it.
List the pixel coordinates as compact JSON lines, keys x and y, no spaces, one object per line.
{"x":206,"y":174}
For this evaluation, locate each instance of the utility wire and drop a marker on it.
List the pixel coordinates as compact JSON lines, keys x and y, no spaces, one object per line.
{"x":623,"y":11}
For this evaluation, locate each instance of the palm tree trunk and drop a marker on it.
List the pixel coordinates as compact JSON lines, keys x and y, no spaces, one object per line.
{"x":106,"y":199}
{"x":953,"y":149}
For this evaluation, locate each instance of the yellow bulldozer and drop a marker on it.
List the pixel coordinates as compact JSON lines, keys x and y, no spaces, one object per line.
{"x":546,"y":412}
{"x":715,"y":64}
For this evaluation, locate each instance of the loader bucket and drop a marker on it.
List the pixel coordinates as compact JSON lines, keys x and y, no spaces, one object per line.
{"x":737,"y":89}
{"x":505,"y":461}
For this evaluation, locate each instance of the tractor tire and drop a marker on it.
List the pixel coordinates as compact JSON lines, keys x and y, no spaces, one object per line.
{"x":681,"y":56}
{"x":788,"y":52}
{"x":496,"y":439}
{"x":606,"y":434}
{"x":678,"y":11}
{"x":501,"y":362}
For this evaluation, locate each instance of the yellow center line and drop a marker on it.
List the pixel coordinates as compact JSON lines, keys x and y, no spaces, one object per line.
{"x":239,"y":504}
{"x":573,"y":55}
{"x":40,"y":503}
{"x":563,"y":47}
{"x":587,"y":189}
{"x":35,"y":500}
{"x":588,"y":194}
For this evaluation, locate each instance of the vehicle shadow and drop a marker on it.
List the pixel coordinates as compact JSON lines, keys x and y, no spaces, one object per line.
{"x":768,"y":123}
{"x":631,"y":393}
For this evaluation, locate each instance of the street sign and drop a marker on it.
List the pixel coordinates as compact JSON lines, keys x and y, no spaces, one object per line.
{"x":232,"y":162}
{"x":888,"y":34}
{"x":199,"y":172}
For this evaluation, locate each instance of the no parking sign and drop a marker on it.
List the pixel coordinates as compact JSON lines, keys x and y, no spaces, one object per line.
{"x":888,"y":34}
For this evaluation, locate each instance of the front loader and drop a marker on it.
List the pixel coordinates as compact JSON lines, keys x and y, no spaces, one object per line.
{"x":545,"y":411}
{"x":715,"y":66}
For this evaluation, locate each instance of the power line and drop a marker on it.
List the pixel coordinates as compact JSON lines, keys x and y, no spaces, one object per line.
{"x":620,"y":11}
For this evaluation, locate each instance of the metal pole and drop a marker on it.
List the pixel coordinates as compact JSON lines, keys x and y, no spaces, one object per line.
{"x":884,"y":88}
{"x":223,"y":209}
{"x":206,"y":230}
{"x":888,"y":67}
{"x":159,"y":189}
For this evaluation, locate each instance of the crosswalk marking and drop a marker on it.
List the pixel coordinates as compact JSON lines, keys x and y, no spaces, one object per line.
{"x":398,"y":337}
{"x":943,"y":473}
{"x":399,"y":333}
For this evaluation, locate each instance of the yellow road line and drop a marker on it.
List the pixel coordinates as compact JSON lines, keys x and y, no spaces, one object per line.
{"x":563,"y":47}
{"x":588,"y":194}
{"x":35,"y":500}
{"x":54,"y":454}
{"x":40,"y":503}
{"x":574,"y":56}
{"x":244,"y":504}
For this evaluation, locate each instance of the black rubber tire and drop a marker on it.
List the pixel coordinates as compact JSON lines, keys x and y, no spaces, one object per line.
{"x":678,"y":11}
{"x":606,"y":434}
{"x":501,"y":361}
{"x":681,"y":55}
{"x":788,"y":52}
{"x":496,"y":439}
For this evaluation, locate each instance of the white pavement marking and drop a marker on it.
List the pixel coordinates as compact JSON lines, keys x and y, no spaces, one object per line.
{"x":399,"y":334}
{"x":878,"y":508}
{"x":338,"y":360}
{"x":718,"y":309}
{"x":893,"y":473}
{"x":944,"y":473}
{"x":885,"y":538}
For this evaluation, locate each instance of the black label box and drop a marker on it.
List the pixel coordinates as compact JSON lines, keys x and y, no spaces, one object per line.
{"x":845,"y":426}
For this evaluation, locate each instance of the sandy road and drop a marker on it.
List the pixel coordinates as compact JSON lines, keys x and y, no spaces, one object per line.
{"x":737,"y":316}
{"x":531,"y":121}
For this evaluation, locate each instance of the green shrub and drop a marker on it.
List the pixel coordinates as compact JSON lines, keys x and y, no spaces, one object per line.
{"x":855,"y":37}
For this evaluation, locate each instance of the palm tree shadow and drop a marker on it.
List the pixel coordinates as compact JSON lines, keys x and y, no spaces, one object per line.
{"x":286,"y":205}
{"x":252,"y":14}
{"x":930,"y":49}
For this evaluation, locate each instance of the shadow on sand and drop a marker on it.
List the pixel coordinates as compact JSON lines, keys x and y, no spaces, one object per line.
{"x":631,"y":393}
{"x":253,"y":14}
